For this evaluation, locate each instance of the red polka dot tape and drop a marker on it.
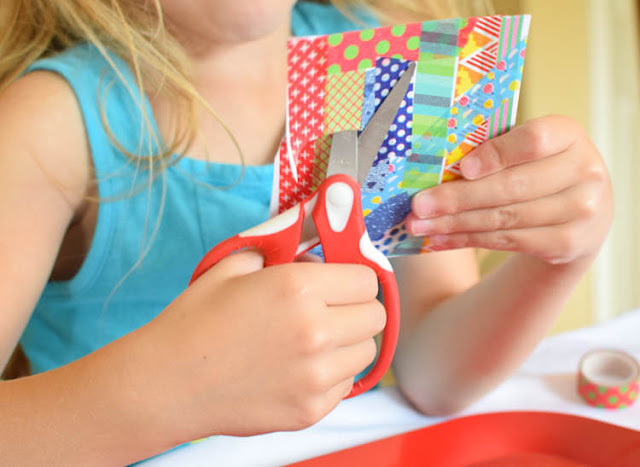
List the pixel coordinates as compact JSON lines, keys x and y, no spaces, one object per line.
{"x":608,"y":379}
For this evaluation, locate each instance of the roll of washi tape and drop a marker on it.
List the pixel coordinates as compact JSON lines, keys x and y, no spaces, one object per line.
{"x":608,"y":379}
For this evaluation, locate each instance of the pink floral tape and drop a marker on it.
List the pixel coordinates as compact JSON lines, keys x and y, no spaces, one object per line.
{"x":608,"y":379}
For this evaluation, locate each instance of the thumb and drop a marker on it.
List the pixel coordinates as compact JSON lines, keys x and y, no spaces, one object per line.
{"x":237,"y":264}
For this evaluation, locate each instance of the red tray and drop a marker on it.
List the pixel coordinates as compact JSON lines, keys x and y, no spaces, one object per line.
{"x":499,"y":440}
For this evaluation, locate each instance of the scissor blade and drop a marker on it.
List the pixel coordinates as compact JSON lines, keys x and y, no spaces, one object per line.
{"x":344,"y":154}
{"x":375,"y":132}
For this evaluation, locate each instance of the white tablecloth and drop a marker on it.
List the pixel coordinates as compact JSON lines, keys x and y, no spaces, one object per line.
{"x":545,"y":382}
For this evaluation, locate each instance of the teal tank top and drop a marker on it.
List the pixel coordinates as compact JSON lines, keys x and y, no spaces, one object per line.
{"x":174,"y":222}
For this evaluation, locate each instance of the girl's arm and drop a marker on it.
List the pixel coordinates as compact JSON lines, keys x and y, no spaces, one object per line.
{"x":90,"y":412}
{"x":44,"y":173}
{"x":541,"y":191}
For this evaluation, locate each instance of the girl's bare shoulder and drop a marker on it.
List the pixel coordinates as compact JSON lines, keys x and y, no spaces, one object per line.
{"x":43,"y":135}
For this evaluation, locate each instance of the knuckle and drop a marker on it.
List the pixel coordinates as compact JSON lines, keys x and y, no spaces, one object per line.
{"x":293,"y":283}
{"x":493,"y":154}
{"x":310,"y":411}
{"x":461,"y":240}
{"x":570,"y":124}
{"x":506,"y":217}
{"x":594,"y":173}
{"x":586,"y":207}
{"x":503,"y":241}
{"x":536,"y":137}
{"x":311,"y":338}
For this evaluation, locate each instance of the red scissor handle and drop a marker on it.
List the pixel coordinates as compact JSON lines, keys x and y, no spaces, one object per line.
{"x":277,"y":239}
{"x":337,"y":214}
{"x":338,"y":218}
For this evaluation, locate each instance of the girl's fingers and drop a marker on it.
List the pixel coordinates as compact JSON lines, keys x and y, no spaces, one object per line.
{"x":351,"y":360}
{"x":533,"y":140}
{"x":574,"y":203}
{"x":313,"y":409}
{"x":339,"y":392}
{"x":518,"y":184}
{"x":336,"y":366}
{"x":332,"y":283}
{"x":541,"y":189}
{"x":554,"y":244}
{"x":342,"y":284}
{"x":350,"y":324}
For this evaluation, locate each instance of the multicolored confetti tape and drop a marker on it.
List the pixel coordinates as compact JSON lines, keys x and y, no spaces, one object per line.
{"x":465,"y":91}
{"x":608,"y":379}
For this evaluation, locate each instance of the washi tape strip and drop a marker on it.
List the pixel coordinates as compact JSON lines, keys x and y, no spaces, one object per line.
{"x":608,"y":379}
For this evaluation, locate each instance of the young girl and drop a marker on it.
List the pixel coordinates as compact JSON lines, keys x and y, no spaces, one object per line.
{"x":113,"y":101}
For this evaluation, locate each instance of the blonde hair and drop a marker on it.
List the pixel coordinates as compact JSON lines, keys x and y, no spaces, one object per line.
{"x":135,"y":32}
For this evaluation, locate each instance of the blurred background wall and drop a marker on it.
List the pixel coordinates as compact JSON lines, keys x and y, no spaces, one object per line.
{"x":582,"y":62}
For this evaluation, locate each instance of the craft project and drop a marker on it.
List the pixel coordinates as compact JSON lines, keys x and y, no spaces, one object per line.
{"x":465,"y":91}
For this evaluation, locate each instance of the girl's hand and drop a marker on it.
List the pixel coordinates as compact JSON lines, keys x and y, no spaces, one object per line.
{"x":541,"y":189}
{"x":246,"y":350}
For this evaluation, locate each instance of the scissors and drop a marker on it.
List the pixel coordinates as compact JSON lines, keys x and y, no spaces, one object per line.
{"x":332,"y":216}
